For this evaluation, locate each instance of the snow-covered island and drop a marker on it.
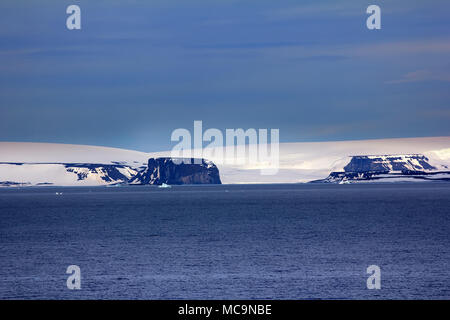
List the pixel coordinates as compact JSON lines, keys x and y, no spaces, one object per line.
{"x":159,"y":171}
{"x":45,"y":164}
{"x":388,"y":168}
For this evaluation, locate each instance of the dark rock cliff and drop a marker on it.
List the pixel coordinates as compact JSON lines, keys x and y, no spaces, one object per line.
{"x":416,"y":162}
{"x":189,"y":171}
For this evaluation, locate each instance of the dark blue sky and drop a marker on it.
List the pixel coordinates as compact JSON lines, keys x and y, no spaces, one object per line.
{"x":140,"y":69}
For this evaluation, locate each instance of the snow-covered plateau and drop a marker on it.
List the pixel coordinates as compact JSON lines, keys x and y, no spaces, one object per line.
{"x":389,"y":168}
{"x":33,"y":164}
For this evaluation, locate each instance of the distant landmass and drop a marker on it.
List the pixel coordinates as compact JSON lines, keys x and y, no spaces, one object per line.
{"x":377,"y":160}
{"x":387,"y":168}
{"x":158,"y":171}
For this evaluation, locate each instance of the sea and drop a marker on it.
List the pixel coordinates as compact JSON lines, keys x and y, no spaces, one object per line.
{"x":291,"y":241}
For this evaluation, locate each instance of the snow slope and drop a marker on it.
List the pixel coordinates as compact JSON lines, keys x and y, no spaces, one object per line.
{"x":29,"y":152}
{"x":64,"y":164}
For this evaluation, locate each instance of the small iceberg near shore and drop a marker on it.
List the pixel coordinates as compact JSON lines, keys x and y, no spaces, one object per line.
{"x":165,"y":186}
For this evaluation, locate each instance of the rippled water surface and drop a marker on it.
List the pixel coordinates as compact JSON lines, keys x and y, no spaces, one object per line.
{"x":226,"y":242}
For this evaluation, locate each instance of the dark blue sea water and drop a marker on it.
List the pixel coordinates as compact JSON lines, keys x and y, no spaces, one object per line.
{"x":226,"y":242}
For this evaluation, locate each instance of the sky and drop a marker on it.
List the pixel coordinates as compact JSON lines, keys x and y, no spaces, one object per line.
{"x":137,"y":70}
